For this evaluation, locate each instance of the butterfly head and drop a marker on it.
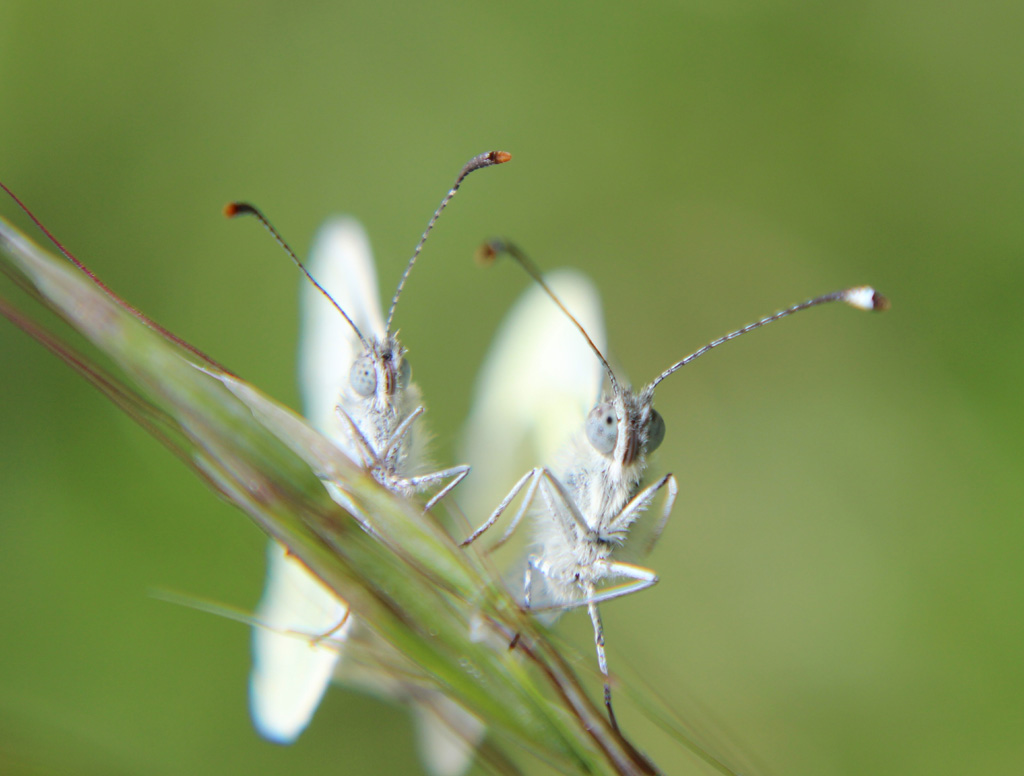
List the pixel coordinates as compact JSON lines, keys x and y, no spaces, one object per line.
{"x":625,"y":427}
{"x":381,"y":372}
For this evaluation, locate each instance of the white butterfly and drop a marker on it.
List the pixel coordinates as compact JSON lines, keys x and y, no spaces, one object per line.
{"x":591,"y":496}
{"x":356,"y":390}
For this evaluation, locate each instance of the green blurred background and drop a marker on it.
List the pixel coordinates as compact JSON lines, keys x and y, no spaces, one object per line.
{"x":841,"y":590}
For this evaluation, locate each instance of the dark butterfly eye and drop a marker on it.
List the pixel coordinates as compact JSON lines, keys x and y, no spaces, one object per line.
{"x":603,"y":428}
{"x":655,"y":431}
{"x":363,"y":376}
{"x":405,"y":373}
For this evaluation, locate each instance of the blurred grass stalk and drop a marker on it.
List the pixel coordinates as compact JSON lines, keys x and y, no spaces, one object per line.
{"x":437,"y":605}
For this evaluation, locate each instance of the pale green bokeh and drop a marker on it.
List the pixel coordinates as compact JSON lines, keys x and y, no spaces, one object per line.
{"x":840,"y":586}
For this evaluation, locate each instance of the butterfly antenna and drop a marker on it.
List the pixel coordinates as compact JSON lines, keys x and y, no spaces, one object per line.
{"x":233,"y":209}
{"x":106,"y":289}
{"x":477,"y":162}
{"x":489,"y":252}
{"x":861,"y":297}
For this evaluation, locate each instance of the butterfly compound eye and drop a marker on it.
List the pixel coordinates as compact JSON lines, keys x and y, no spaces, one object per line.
{"x":603,"y":428}
{"x":655,"y":431}
{"x":363,"y":377}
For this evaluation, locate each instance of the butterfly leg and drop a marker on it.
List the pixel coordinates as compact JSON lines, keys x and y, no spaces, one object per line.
{"x":527,"y":582}
{"x":620,"y":524}
{"x":366,"y":452}
{"x":557,"y":490}
{"x":342,"y":499}
{"x":531,"y":564}
{"x":533,"y":477}
{"x":457,"y":473}
{"x":401,"y":431}
{"x":640,"y":579}
{"x":670,"y":499}
{"x":602,"y":661}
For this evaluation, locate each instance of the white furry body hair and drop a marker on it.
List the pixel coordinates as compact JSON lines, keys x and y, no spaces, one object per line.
{"x":600,"y":486}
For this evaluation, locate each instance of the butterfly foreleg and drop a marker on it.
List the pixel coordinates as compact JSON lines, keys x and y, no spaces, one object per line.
{"x":641,"y":501}
{"x":366,"y":451}
{"x":401,"y":431}
{"x":666,"y":512}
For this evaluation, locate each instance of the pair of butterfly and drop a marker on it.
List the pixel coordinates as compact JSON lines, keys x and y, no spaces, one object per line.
{"x":356,"y":389}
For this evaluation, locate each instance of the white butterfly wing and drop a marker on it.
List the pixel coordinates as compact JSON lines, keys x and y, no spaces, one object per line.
{"x":537,"y":384}
{"x":290,"y":673}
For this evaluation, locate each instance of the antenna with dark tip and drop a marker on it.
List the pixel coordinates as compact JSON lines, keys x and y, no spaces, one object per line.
{"x":861,"y":297}
{"x":233,"y":209}
{"x":145,"y":319}
{"x":477,"y":162}
{"x":489,"y":252}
